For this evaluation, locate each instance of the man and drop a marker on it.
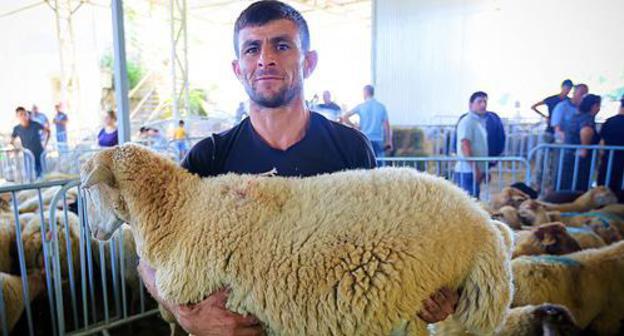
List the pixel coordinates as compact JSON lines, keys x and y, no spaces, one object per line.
{"x":472,"y":142}
{"x":373,"y":122}
{"x":29,"y":134}
{"x":60,"y":122}
{"x":42,"y":120}
{"x":272,"y":46}
{"x":328,"y":107}
{"x":564,"y":111}
{"x":551,"y":102}
{"x":495,"y":134}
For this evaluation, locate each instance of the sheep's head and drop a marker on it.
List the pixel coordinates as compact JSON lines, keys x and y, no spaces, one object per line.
{"x":508,"y":196}
{"x":607,"y":231}
{"x":106,"y":205}
{"x":545,"y":239}
{"x":545,"y":319}
{"x":602,"y":196}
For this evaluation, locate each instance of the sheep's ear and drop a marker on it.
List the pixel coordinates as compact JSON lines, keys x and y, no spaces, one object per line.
{"x":100,"y":174}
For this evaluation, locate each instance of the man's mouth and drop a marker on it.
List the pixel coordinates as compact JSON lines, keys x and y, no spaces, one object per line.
{"x":268,"y":78}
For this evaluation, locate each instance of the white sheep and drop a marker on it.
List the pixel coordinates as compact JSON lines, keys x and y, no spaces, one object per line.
{"x":590,"y":283}
{"x":360,"y":262}
{"x":11,"y":286}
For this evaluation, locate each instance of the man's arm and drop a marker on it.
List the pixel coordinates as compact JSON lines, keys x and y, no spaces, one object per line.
{"x":587,"y":134}
{"x":345,"y":117}
{"x":556,"y":119}
{"x":46,"y":136}
{"x":209,"y":317}
{"x":466,"y":148}
{"x":536,"y":105}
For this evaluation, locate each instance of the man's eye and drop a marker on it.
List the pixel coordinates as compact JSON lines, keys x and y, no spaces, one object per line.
{"x":283,"y":47}
{"x":251,"y":50}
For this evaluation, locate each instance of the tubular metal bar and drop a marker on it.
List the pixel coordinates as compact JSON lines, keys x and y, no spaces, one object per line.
{"x":70,"y":263}
{"x":90,"y":266}
{"x":114,"y":324}
{"x":56,"y":257}
{"x":114,"y":273}
{"x":122,"y":275}
{"x":22,"y":264}
{"x":83,"y":267}
{"x":46,"y":261}
{"x":37,"y":185}
{"x":104,"y":282}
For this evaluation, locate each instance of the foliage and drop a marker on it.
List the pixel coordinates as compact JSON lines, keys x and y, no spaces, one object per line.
{"x":134,"y":70}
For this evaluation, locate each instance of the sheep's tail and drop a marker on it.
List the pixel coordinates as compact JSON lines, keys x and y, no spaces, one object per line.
{"x":488,"y":290}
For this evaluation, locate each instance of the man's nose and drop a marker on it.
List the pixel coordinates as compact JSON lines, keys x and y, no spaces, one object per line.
{"x":267,"y":58}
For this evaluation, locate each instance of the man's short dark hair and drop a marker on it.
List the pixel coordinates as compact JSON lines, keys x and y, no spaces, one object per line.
{"x":262,"y":12}
{"x":568,"y":83}
{"x":20,"y":109}
{"x":370,"y":90}
{"x":181,"y":122}
{"x":478,"y":94}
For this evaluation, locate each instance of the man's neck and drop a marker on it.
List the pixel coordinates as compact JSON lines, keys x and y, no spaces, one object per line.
{"x":280,"y":127}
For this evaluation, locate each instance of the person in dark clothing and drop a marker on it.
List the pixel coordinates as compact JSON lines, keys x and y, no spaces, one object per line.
{"x":551,"y":102}
{"x":581,"y":130}
{"x":612,"y":134}
{"x":29,"y":133}
{"x":108,"y":135}
{"x":272,"y":46}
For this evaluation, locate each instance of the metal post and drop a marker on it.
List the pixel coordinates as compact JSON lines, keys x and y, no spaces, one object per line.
{"x":63,"y":11}
{"x":179,"y":59}
{"x":121,"y":73}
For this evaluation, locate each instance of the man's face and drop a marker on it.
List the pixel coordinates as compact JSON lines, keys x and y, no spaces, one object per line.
{"x":579,"y":93}
{"x":479,"y":105}
{"x":22,"y":117}
{"x":566,"y":90}
{"x":272,"y":64}
{"x":35,"y":109}
{"x":326,"y":97}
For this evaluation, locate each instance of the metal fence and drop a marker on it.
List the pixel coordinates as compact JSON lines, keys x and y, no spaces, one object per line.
{"x":17,"y":165}
{"x":501,"y":171}
{"x":63,"y":282}
{"x":576,"y":167}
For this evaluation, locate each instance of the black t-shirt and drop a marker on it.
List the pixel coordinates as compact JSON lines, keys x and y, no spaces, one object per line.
{"x":327,"y":147}
{"x":551,"y":102}
{"x":612,"y":131}
{"x":29,"y":136}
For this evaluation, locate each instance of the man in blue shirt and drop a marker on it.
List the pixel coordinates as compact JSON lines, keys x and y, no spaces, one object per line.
{"x":551,"y":102}
{"x":472,"y":141}
{"x":272,"y":45}
{"x":60,"y":121}
{"x":29,"y":133}
{"x":373,"y":122}
{"x":566,"y":109}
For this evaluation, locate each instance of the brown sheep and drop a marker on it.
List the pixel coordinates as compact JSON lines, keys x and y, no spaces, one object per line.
{"x":592,"y":199}
{"x":545,"y":239}
{"x":508,"y":196}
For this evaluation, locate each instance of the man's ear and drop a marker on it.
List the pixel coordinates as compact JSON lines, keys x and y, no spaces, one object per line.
{"x":236,"y":69}
{"x":309,"y":63}
{"x":99,"y":174}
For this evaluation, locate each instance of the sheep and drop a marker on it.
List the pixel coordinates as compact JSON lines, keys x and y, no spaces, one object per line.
{"x":7,"y":239}
{"x":533,"y":213}
{"x":589,"y":283}
{"x":31,"y":204}
{"x":508,"y":215}
{"x":12,"y":287}
{"x":508,"y":196}
{"x":585,"y":237}
{"x":545,"y":239}
{"x":530,"y":320}
{"x":33,"y":244}
{"x":298,"y":269}
{"x":606,"y":230}
{"x":592,"y":199}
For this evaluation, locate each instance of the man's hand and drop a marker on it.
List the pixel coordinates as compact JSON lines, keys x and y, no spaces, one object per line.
{"x":209,"y":317}
{"x":439,"y":306}
{"x":388,"y":146}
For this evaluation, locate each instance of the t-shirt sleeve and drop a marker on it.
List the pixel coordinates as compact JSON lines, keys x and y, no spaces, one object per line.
{"x":464,"y":131}
{"x":200,"y":159}
{"x":605,"y":131}
{"x":37,"y":126}
{"x":14,"y":134}
{"x":587,"y":121}
{"x":357,"y":109}
{"x":364,"y":157}
{"x":385,"y":114}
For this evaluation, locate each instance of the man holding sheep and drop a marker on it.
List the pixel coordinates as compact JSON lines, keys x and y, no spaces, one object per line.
{"x":272,"y":45}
